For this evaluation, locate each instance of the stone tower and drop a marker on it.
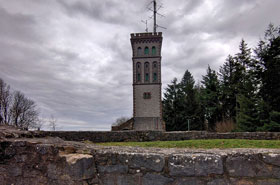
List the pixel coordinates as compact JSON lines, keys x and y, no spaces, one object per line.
{"x":146,"y":60}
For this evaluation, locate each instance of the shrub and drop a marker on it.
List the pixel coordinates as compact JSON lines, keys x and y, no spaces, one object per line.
{"x":225,"y":126}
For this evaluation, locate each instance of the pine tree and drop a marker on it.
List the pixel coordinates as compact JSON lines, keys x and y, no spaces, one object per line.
{"x":228,"y":83}
{"x":270,"y":57}
{"x":210,"y":98}
{"x":268,"y":54}
{"x":172,"y":106}
{"x":247,"y":118}
{"x":273,"y":125}
{"x":191,"y":105}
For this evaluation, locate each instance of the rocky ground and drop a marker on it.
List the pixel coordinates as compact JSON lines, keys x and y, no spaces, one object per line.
{"x":26,"y":159}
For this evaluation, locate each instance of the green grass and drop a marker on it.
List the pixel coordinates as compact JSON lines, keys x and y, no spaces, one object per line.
{"x":203,"y":144}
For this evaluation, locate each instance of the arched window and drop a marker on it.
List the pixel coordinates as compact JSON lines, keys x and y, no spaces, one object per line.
{"x":138,"y":77}
{"x":139,"y":51}
{"x":138,"y":72}
{"x":155,"y":77}
{"x":147,"y":72}
{"x":146,"y":52}
{"x":153,"y":50}
{"x":155,"y":71}
{"x":154,"y":64}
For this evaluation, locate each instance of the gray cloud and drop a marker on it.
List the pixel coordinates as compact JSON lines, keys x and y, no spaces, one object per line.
{"x":16,"y":26}
{"x":111,"y":11}
{"x":74,"y":57}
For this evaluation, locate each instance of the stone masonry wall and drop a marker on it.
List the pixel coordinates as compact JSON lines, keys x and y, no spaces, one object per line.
{"x":154,"y":135}
{"x":54,"y":161}
{"x":147,"y":107}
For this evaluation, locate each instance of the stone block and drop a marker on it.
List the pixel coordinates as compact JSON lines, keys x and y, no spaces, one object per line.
{"x":195,"y":165}
{"x":250,"y":166}
{"x":129,"y":180}
{"x":208,"y":165}
{"x":190,"y":181}
{"x":53,"y":172}
{"x":80,"y":166}
{"x":156,"y":179}
{"x":147,"y":162}
{"x":219,"y":182}
{"x":272,"y":158}
{"x":234,"y":181}
{"x":268,"y":182}
{"x":113,"y":169}
{"x":20,"y":158}
{"x":181,"y":165}
{"x":14,"y":170}
{"x":118,"y":179}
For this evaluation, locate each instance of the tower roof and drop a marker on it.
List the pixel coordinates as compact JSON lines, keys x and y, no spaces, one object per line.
{"x":145,"y":35}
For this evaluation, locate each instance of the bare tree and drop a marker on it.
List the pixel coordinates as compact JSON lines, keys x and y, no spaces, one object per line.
{"x":120,"y":120}
{"x":1,"y":92}
{"x":29,"y":116}
{"x":53,"y":123}
{"x":23,"y":111}
{"x":16,"y":109}
{"x":5,"y":101}
{"x":40,"y":123}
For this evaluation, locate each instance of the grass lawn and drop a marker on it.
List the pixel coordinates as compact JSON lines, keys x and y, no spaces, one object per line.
{"x":203,"y":144}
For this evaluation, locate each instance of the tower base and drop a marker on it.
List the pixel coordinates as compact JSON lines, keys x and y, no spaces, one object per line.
{"x":141,"y":123}
{"x":148,"y":123}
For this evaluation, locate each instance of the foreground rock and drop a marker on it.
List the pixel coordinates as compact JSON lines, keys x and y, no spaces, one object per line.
{"x":55,"y":161}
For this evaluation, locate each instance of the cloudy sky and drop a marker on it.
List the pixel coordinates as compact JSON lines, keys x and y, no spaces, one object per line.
{"x":73,"y":57}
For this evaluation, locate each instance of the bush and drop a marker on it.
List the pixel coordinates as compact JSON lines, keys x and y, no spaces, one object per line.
{"x":225,"y":126}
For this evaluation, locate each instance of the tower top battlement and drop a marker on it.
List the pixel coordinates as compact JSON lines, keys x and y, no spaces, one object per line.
{"x":145,"y":35}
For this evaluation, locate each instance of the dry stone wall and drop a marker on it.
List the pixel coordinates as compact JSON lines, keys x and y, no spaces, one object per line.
{"x":54,"y":161}
{"x":30,"y":158}
{"x":155,"y":135}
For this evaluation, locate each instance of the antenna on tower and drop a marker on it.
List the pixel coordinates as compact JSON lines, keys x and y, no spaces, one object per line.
{"x":146,"y":23}
{"x":155,"y":16}
{"x":155,"y":13}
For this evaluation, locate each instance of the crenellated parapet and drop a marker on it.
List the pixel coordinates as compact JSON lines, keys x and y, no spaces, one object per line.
{"x":146,"y":37}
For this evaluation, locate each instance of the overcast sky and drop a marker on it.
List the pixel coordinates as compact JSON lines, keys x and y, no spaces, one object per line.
{"x":73,"y":57}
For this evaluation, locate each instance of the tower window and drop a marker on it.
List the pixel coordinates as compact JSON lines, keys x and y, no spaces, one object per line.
{"x":138,"y":77}
{"x":146,"y":51}
{"x":155,"y":77}
{"x":155,"y":64}
{"x":138,"y":72}
{"x":155,"y":71}
{"x":153,"y":50}
{"x":147,"y":71}
{"x":146,"y":65}
{"x":147,"y":95}
{"x":139,"y":51}
{"x":147,"y":77}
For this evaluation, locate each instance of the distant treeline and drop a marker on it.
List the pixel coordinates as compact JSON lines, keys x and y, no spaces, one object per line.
{"x":243,"y":96}
{"x":17,"y":110}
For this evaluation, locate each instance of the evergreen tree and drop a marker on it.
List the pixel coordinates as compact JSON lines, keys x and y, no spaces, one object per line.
{"x":228,"y":81}
{"x":210,"y":98}
{"x":268,"y":54}
{"x":247,"y":92}
{"x":172,"y":106}
{"x":181,"y":103}
{"x":191,"y":105}
{"x":247,"y":118}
